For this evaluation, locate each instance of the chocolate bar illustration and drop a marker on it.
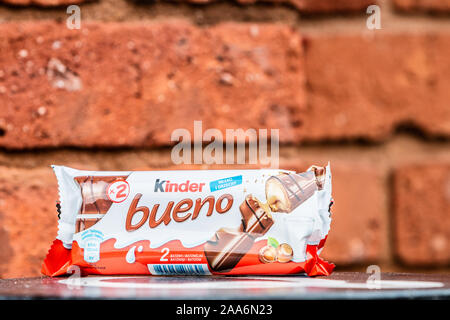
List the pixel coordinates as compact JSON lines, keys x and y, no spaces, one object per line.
{"x":228,"y":246}
{"x":95,"y":202}
{"x":287,"y":191}
{"x":256,"y":220}
{"x":320,"y":175}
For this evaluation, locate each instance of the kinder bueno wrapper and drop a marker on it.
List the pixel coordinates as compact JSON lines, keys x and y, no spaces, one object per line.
{"x":228,"y":247}
{"x":96,"y":202}
{"x":234,"y":222}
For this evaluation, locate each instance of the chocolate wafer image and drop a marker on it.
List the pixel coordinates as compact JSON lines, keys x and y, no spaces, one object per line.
{"x":95,"y":202}
{"x":287,"y":191}
{"x":228,"y":246}
{"x":256,"y":220}
{"x":320,"y":175}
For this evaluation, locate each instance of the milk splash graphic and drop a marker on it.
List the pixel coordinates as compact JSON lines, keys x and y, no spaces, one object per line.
{"x":131,"y":256}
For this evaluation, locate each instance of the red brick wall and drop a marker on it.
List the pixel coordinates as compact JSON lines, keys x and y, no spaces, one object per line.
{"x":376,"y":103}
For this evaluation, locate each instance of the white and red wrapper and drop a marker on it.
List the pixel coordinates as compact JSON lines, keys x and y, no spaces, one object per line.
{"x":201,"y":222}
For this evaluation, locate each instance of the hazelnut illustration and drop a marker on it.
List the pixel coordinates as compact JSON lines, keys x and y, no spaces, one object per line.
{"x":268,"y":254}
{"x":284,"y":253}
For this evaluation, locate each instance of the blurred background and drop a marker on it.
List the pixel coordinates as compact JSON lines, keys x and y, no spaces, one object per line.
{"x":107,"y":96}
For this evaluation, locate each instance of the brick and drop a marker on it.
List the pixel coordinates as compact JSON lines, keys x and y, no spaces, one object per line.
{"x":309,"y":6}
{"x":132,"y":84}
{"x":422,"y":208}
{"x":211,"y":74}
{"x":362,"y":86}
{"x":330,"y":6}
{"x":358,"y":230}
{"x":53,"y":96}
{"x":44,"y":3}
{"x":422,"y":5}
{"x":28,"y":219}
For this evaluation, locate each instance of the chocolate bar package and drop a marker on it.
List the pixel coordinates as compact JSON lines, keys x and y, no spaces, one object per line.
{"x":198,"y":222}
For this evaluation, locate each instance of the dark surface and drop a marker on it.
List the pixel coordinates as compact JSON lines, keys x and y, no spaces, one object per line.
{"x":340,"y":285}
